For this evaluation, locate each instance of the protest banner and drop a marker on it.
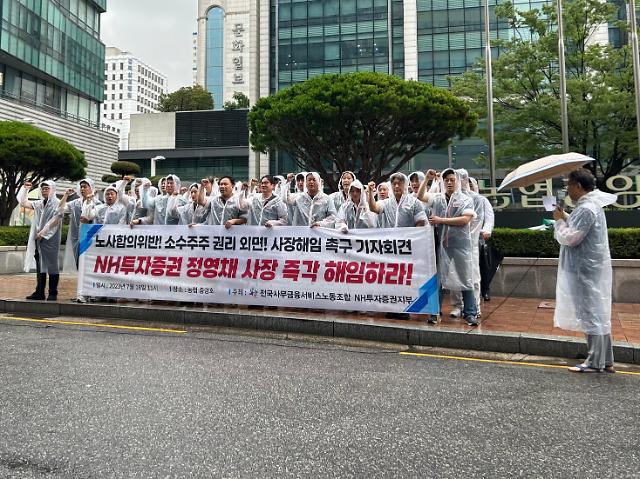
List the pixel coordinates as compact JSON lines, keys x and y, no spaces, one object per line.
{"x":384,"y":270}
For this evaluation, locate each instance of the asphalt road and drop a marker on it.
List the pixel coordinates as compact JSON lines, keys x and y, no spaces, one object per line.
{"x":87,"y":402}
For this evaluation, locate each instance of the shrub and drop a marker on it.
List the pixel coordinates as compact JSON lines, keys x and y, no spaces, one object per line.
{"x":19,"y":235}
{"x":124,"y":168}
{"x":624,"y":243}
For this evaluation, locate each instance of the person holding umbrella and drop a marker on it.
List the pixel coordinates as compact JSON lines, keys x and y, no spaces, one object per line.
{"x":583,"y":289}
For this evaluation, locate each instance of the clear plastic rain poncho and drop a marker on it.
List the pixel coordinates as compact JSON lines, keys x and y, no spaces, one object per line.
{"x":489,"y":216}
{"x":159,"y":186}
{"x":278,"y":190}
{"x":215,"y":188}
{"x":261,"y":210}
{"x":238,"y":189}
{"x":76,"y":209}
{"x":404,"y":213}
{"x":46,"y":222}
{"x":308,"y":211}
{"x":219,"y":210}
{"x":476,"y":222}
{"x":355,"y":216}
{"x":340,"y":197}
{"x":191,"y":212}
{"x":420,"y":176}
{"x":116,"y":213}
{"x":384,"y":184}
{"x":289,"y":198}
{"x":165,"y":207}
{"x":456,"y":257}
{"x":583,"y":288}
{"x":145,"y":215}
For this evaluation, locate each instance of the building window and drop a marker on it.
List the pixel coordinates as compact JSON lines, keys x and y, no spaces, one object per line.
{"x":214,"y":54}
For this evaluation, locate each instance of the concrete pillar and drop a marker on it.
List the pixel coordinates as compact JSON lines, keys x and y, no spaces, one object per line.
{"x":410,"y":40}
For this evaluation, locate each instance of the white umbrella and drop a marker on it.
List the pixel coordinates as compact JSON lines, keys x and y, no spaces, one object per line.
{"x":543,"y":169}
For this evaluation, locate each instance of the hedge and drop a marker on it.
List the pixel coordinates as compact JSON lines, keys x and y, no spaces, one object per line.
{"x":623,"y":242}
{"x":19,"y":235}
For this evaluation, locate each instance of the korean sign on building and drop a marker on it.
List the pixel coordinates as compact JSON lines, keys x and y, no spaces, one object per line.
{"x":627,"y":188}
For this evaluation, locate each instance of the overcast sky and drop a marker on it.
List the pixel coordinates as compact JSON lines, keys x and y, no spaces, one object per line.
{"x":158,"y":32}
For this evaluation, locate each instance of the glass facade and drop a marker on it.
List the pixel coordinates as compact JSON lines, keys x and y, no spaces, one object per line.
{"x":451,"y":36}
{"x":214,"y":55}
{"x":312,"y":37}
{"x":52,"y":57}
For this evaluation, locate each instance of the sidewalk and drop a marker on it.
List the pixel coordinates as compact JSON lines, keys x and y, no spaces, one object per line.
{"x":506,"y":323}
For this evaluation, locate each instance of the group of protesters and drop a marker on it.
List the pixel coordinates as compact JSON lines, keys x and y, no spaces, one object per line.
{"x":447,"y":204}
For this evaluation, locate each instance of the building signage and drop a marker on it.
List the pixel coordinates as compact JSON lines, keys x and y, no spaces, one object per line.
{"x":237,"y":48}
{"x":627,"y":188}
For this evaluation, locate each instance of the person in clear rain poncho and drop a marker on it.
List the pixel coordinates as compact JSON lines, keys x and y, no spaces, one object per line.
{"x":382,"y":191}
{"x":142,"y":215}
{"x":165,"y":206}
{"x":342,"y":195}
{"x":355,"y":214}
{"x":285,"y":191}
{"x":485,"y":233}
{"x":192,"y":212}
{"x":44,"y":238}
{"x":400,"y":210}
{"x":79,"y":212}
{"x":583,"y":289}
{"x":264,"y":208}
{"x":415,"y":180}
{"x":476,"y":227}
{"x":224,"y":209}
{"x":114,"y":210}
{"x":313,"y":207}
{"x":452,"y":213}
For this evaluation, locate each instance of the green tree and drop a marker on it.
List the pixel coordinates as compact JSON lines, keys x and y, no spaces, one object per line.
{"x":240,"y":100}
{"x":371,"y":123}
{"x":125,"y":168}
{"x":186,"y":99}
{"x":602,"y":121}
{"x":30,"y":154}
{"x":108,"y":178}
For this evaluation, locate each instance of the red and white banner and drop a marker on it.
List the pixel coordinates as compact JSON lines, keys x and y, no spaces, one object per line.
{"x":389,"y":270}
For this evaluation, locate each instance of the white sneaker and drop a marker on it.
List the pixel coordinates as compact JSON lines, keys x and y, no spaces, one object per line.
{"x":81,"y":299}
{"x":455,"y":313}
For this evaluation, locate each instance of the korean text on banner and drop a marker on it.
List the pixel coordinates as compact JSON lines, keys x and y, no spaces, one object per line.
{"x":385,"y":270}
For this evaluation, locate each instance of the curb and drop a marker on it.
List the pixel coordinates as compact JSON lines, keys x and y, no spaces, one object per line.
{"x":410,"y":335}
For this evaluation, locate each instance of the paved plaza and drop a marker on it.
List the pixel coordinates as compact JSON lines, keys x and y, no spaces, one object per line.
{"x":530,"y":316}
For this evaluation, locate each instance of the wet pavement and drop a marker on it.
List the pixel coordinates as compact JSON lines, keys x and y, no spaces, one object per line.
{"x":530,"y":316}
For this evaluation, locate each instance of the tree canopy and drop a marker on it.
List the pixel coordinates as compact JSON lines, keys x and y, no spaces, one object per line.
{"x":124,"y":168}
{"x":601,"y":102}
{"x":371,"y":123}
{"x":240,"y":100}
{"x":186,"y":99}
{"x":28,"y":153}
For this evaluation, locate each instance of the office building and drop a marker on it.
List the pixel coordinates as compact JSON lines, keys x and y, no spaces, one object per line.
{"x":131,"y":86}
{"x":191,"y":144}
{"x":262,"y":46}
{"x":52,"y":73}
